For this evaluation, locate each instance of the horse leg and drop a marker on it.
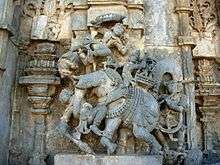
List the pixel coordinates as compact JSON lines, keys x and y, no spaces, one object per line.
{"x":143,"y":133}
{"x":100,"y":115}
{"x":107,"y":136}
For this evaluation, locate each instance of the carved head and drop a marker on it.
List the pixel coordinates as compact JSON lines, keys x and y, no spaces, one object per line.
{"x":172,"y":86}
{"x":118,"y":29}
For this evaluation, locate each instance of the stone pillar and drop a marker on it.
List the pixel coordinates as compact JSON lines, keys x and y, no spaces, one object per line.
{"x":79,"y":28}
{"x":7,"y":75}
{"x":208,"y":120}
{"x":186,"y":42}
{"x":41,"y":84}
{"x":5,"y":31}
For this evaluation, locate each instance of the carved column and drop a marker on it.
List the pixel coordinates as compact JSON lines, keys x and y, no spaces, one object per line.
{"x":41,"y":84}
{"x":208,"y":120}
{"x":6,"y":76}
{"x":186,"y":42}
{"x":5,"y":31}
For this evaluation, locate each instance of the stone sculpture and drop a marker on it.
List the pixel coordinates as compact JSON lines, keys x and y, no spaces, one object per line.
{"x":121,"y":101}
{"x":104,"y":72}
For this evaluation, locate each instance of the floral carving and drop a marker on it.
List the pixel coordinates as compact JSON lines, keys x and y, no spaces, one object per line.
{"x":204,"y":15}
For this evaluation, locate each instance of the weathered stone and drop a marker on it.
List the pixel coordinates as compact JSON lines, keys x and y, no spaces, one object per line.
{"x":106,"y":160}
{"x":39,"y":27}
{"x":116,"y":77}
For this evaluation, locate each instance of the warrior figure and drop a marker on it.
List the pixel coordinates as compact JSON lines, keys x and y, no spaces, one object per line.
{"x":176,"y":101}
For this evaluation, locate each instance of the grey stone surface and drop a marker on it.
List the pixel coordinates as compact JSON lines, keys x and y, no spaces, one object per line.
{"x":6,"y":91}
{"x":68,"y":159}
{"x":172,"y":31}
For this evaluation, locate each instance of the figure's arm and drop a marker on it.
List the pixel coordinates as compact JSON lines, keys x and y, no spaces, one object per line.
{"x":121,"y":48}
{"x":107,"y":37}
{"x":174,"y":105}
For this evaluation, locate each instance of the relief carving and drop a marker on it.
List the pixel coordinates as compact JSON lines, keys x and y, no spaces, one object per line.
{"x":51,"y":19}
{"x":204,"y":15}
{"x":121,"y":100}
{"x":113,"y":90}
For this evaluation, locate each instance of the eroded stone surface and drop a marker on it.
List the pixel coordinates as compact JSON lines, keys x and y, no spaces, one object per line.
{"x":106,"y":160}
{"x":109,"y":77}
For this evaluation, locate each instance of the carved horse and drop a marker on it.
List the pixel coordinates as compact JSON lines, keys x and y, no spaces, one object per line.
{"x":135,"y":107}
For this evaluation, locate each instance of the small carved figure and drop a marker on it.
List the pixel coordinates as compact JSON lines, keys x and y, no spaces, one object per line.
{"x":92,"y":50}
{"x":53,"y":30}
{"x":117,"y":38}
{"x":86,"y":116}
{"x":134,"y":63}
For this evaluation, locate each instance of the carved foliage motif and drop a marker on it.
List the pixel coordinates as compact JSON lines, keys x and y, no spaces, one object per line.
{"x":204,"y":15}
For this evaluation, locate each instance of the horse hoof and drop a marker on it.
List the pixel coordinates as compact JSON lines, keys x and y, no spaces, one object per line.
{"x":111,"y":149}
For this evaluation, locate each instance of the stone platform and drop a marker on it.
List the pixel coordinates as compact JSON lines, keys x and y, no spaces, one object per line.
{"x":69,"y":159}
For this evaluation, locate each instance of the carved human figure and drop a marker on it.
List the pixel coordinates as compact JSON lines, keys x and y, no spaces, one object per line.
{"x":86,"y":81}
{"x":86,"y":117}
{"x":82,"y":55}
{"x":124,"y":106}
{"x":134,"y":63}
{"x":118,"y":39}
{"x":53,"y":30}
{"x":89,"y":119}
{"x":176,"y":101}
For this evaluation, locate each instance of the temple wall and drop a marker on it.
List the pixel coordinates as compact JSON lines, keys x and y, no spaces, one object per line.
{"x":30,"y":104}
{"x":8,"y":64}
